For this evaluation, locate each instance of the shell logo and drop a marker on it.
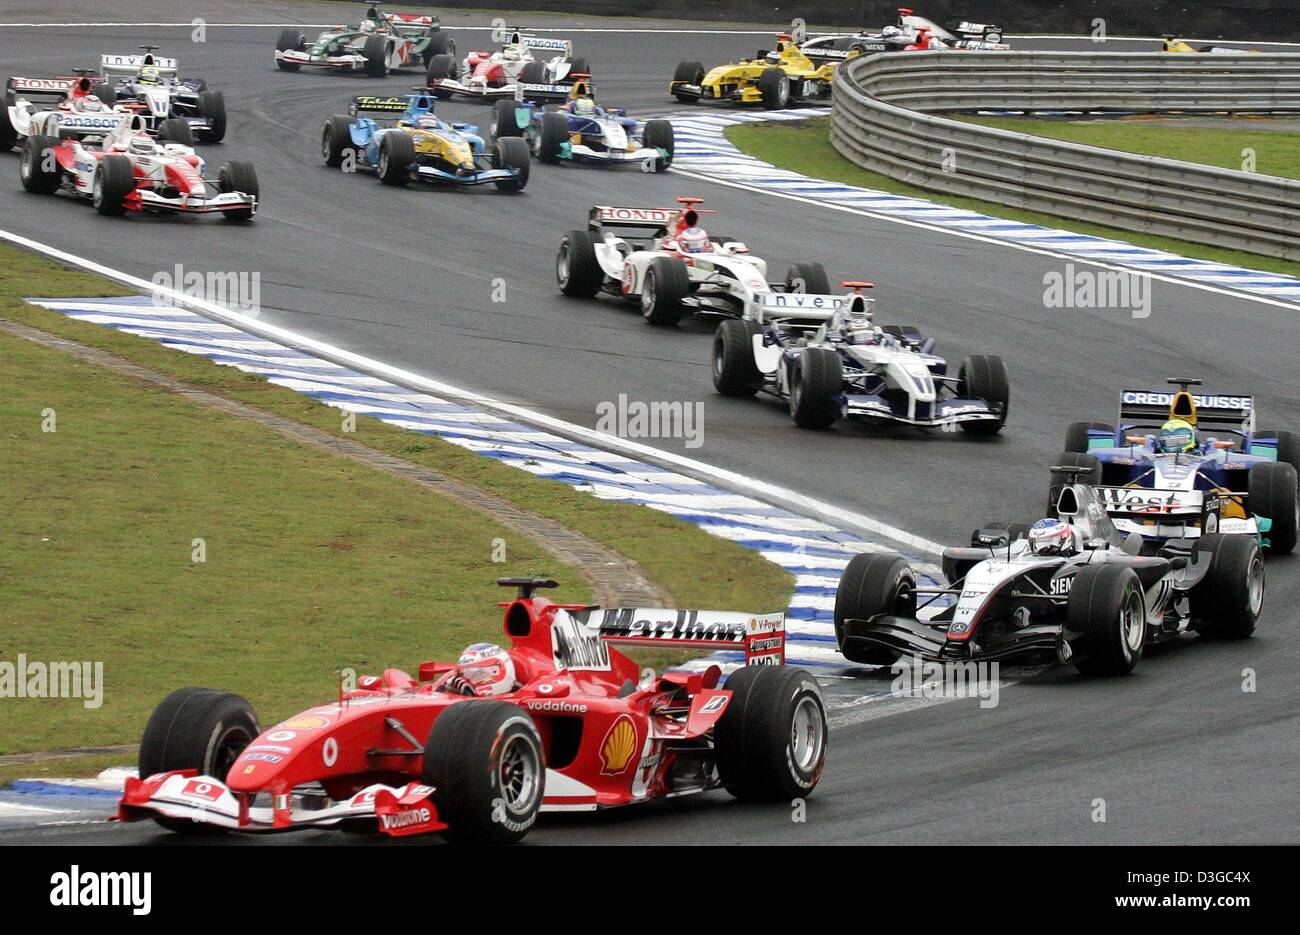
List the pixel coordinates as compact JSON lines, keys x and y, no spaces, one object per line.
{"x":618,"y":746}
{"x":305,"y":723}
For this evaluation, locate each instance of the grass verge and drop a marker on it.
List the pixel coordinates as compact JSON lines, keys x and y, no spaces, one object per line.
{"x":804,"y":147}
{"x":312,"y":562}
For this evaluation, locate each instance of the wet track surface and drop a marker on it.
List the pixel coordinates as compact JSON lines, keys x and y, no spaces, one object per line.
{"x":1178,"y":751}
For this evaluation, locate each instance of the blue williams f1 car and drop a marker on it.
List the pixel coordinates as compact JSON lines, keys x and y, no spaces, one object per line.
{"x":825,"y":355}
{"x":581,"y":131}
{"x":1181,"y":465}
{"x":400,"y":139}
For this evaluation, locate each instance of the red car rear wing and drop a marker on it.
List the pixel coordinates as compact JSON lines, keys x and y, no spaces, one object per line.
{"x":761,"y":637}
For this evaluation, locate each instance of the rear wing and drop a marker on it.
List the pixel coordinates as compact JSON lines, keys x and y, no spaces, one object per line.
{"x":130,"y":65}
{"x":543,"y":92}
{"x":1154,"y":407}
{"x":576,"y":635}
{"x":371,"y":104}
{"x":40,"y":90}
{"x":649,"y":220}
{"x":95,"y":124}
{"x":542,"y":44}
{"x":802,"y":306}
{"x":409,"y":25}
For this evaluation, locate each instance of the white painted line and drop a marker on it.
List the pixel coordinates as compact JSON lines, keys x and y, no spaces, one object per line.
{"x":837,"y":516}
{"x":18,"y":810}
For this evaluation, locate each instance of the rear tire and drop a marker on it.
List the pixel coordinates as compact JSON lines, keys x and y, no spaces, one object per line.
{"x":375,"y":52}
{"x":114,"y":179}
{"x":336,"y":141}
{"x":1271,"y":492}
{"x":440,"y":43}
{"x":734,"y":371}
{"x":667,"y":283}
{"x":1071,"y":459}
{"x":533,"y":73}
{"x":1228,"y":601}
{"x":817,"y":379}
{"x":396,"y":153}
{"x":552,"y":137}
{"x":576,"y":268}
{"x":176,"y":130}
{"x":33,"y":169}
{"x":291,"y":40}
{"x":984,"y":376}
{"x":658,"y":134}
{"x":1076,"y":436}
{"x":771,"y":740}
{"x":1288,"y":443}
{"x":1108,"y":609}
{"x":484,"y":760}
{"x":8,"y":135}
{"x":512,"y":153}
{"x":873,"y":583}
{"x":212,"y":104}
{"x":202,"y":729}
{"x":239,"y":176}
{"x":807,"y":277}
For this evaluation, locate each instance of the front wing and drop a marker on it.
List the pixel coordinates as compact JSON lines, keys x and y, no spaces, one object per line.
{"x":942,"y":412}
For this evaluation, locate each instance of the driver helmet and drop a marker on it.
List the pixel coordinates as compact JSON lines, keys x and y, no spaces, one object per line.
{"x":488,"y":668}
{"x":1176,"y":435}
{"x":89,"y":104}
{"x":149,"y":74}
{"x":141,"y":144}
{"x":367,"y":26}
{"x":857,"y":321}
{"x":694,"y":240}
{"x":426,"y":122}
{"x":1051,"y":537}
{"x":890,"y":32}
{"x":510,"y":55}
{"x":584,"y":107}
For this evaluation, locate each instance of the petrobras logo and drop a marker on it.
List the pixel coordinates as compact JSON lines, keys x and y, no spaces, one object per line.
{"x":635,"y":215}
{"x":799,"y":301}
{"x":1158,"y":398}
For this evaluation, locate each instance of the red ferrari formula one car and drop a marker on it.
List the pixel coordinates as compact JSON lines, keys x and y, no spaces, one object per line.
{"x":559,"y":721}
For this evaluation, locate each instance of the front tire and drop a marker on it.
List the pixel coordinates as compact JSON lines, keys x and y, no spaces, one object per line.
{"x":688,"y":72}
{"x":212,"y":104}
{"x":336,"y":141}
{"x":1229,"y":599}
{"x":577,"y":269}
{"x":239,"y":176}
{"x":734,"y":371}
{"x":484,"y":760}
{"x":873,"y":583}
{"x":1108,"y":609}
{"x":512,"y":153}
{"x":291,"y":40}
{"x":396,"y":153}
{"x":658,"y":134}
{"x":554,"y":134}
{"x":984,"y":376}
{"x":774,"y":88}
{"x":114,"y":179}
{"x":375,"y":52}
{"x":504,"y":121}
{"x":771,"y":740}
{"x":440,"y":68}
{"x":34,"y":167}
{"x":667,"y":283}
{"x":817,"y":379}
{"x":202,"y":729}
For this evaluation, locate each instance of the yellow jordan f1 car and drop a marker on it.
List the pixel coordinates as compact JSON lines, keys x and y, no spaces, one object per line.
{"x":1174,"y":44}
{"x":774,"y":78}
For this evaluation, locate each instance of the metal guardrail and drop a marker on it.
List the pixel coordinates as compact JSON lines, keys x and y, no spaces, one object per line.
{"x":886,"y":118}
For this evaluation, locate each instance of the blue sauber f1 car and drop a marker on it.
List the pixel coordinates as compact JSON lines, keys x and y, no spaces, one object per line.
{"x":1180,"y":465}
{"x":581,"y":131}
{"x":400,"y":139}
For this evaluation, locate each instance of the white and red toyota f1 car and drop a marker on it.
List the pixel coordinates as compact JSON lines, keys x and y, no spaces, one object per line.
{"x":568,"y":723}
{"x":516,"y":70}
{"x":123,"y":169}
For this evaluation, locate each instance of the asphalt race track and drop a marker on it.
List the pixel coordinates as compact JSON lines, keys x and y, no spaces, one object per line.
{"x":1178,"y":751}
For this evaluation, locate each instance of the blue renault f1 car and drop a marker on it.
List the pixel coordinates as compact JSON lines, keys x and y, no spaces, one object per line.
{"x":581,"y":131}
{"x":1180,"y":465}
{"x":400,"y":138}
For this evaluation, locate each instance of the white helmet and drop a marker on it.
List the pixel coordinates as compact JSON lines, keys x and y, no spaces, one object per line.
{"x":488,"y":668}
{"x":1051,"y":537}
{"x":890,"y":32}
{"x":693,"y":240}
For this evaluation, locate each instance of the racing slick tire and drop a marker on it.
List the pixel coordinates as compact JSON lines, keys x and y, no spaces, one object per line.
{"x":33,"y":167}
{"x":771,"y":740}
{"x":396,"y":153}
{"x":440,"y":67}
{"x":984,"y":376}
{"x":212,"y":104}
{"x":375,"y":52}
{"x":1071,"y":459}
{"x":774,"y":88}
{"x":1107,"y":608}
{"x":440,"y":43}
{"x":688,"y":72}
{"x":291,"y":40}
{"x":817,"y":379}
{"x":554,"y":134}
{"x":873,"y":583}
{"x":734,"y":371}
{"x":336,"y":141}
{"x":1288,"y":443}
{"x":504,"y":122}
{"x":1076,"y":435}
{"x":807,"y":277}
{"x":658,"y":134}
{"x":484,"y":760}
{"x":239,"y":176}
{"x":1227,"y":602}
{"x":176,"y":130}
{"x":114,"y":179}
{"x":1271,"y":492}
{"x":512,"y":153}
{"x":576,"y":268}
{"x":104,"y":91}
{"x":667,"y":282}
{"x":533,"y":73}
{"x":8,"y":135}
{"x":202,"y":729}
{"x":579,"y":66}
